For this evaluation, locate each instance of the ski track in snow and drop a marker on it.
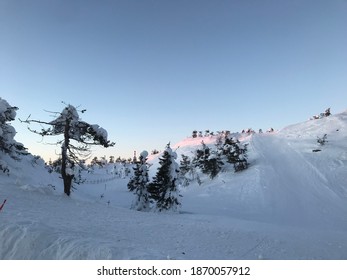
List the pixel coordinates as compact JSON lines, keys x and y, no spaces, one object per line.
{"x":290,"y":204}
{"x":295,"y":188}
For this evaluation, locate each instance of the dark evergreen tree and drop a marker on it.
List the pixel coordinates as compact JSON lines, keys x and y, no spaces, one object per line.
{"x":227,"y":150}
{"x":185,"y":165}
{"x":201,"y":157}
{"x":235,"y":153}
{"x":213,"y":165}
{"x":241,"y":163}
{"x":164,"y":188}
{"x":186,"y":170}
{"x":111,"y":160}
{"x":118,"y":160}
{"x":327,"y":112}
{"x":138,"y":184}
{"x":208,"y":161}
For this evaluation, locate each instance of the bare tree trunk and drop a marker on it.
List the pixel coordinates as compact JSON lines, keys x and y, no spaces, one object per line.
{"x":67,"y":178}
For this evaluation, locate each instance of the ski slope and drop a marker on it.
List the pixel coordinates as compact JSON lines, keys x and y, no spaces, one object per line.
{"x":290,"y":204}
{"x":294,"y":188}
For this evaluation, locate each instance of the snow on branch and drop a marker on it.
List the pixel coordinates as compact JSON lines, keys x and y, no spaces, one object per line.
{"x":69,"y":122}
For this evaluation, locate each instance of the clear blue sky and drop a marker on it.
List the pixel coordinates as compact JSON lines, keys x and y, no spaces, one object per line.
{"x":150,"y":72}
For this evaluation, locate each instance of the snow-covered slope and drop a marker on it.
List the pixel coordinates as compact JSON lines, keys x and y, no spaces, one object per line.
{"x":290,"y":204}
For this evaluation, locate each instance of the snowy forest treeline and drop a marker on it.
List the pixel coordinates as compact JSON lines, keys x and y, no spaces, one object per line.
{"x":160,"y":193}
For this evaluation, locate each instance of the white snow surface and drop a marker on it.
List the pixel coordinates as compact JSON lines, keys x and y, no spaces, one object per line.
{"x":144,"y":154}
{"x":100,"y":131}
{"x":291,"y":203}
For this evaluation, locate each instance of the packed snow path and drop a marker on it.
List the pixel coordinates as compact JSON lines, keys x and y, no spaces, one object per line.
{"x":293,"y":189}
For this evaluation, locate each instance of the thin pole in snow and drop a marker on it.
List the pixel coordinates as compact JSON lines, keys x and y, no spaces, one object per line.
{"x":2,"y":205}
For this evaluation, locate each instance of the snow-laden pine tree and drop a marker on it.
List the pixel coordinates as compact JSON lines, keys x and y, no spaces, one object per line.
{"x":235,"y":153}
{"x":213,"y":164}
{"x":8,"y":145}
{"x":186,"y":170}
{"x":164,"y":187}
{"x":138,"y":184}
{"x":78,"y":137}
{"x":201,"y":157}
{"x":209,"y":161}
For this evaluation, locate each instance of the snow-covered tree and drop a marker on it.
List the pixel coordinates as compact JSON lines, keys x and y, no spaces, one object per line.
{"x":138,"y":184}
{"x":164,"y":188}
{"x":213,"y":164}
{"x":7,"y":132}
{"x":201,"y":156}
{"x":235,"y":153}
{"x":241,"y":163}
{"x":208,"y":161}
{"x":187,"y":170}
{"x":111,"y":160}
{"x":327,"y":112}
{"x":78,"y":137}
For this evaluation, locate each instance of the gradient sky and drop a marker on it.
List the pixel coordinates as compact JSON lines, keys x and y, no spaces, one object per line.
{"x":151,"y":71}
